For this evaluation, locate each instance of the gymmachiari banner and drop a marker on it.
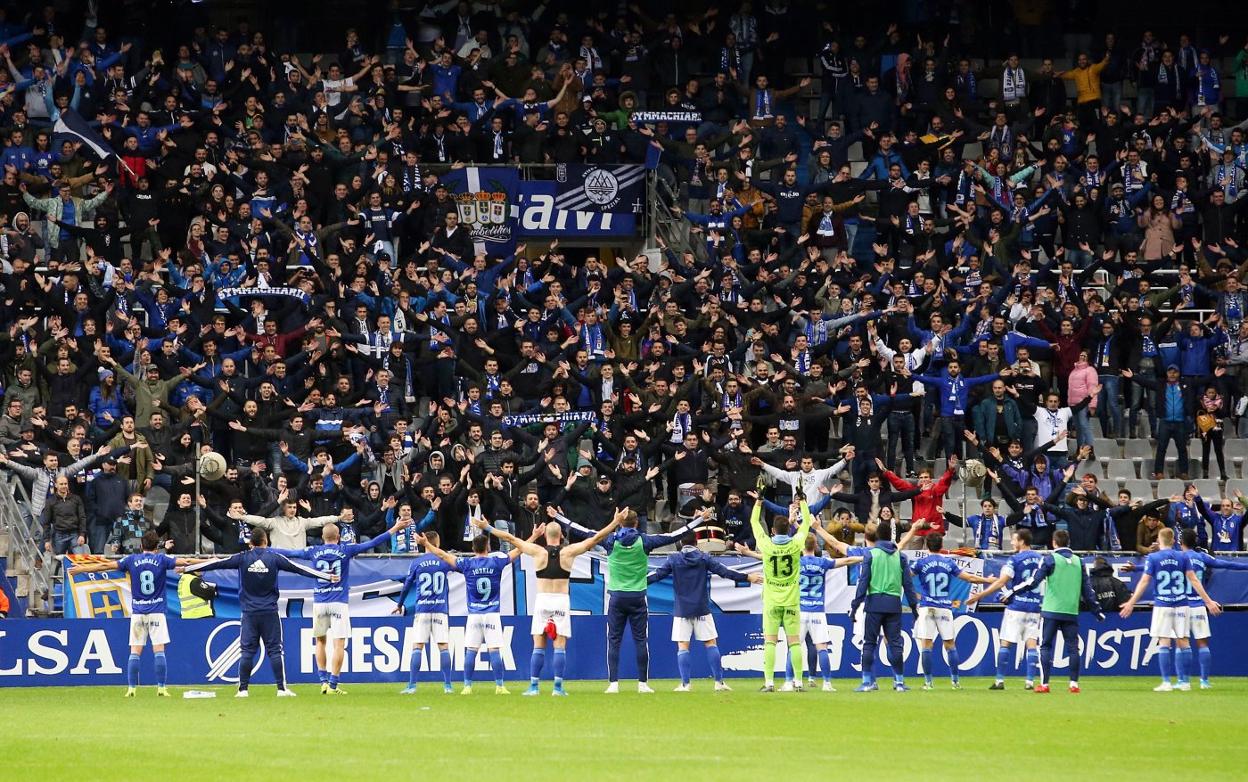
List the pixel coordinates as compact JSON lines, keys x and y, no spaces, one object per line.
{"x":206,"y":652}
{"x":486,"y":200}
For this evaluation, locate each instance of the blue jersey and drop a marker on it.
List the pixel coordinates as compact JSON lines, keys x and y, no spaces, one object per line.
{"x":1168,"y":570}
{"x":147,"y":580}
{"x":935,"y":574}
{"x":855,"y":570}
{"x":483,"y":577}
{"x":1019,"y":568}
{"x":428,"y":574}
{"x":1200,"y":564}
{"x":1227,"y":531}
{"x":335,"y":559}
{"x":811,"y":578}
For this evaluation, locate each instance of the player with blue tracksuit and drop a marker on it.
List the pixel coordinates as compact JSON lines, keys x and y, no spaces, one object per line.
{"x":429,"y":575}
{"x":483,"y":581}
{"x":258,"y":593}
{"x":690,"y":570}
{"x":1198,"y":617}
{"x":147,"y":571}
{"x":331,"y":619}
{"x":1172,"y":571}
{"x":1067,"y":590}
{"x":883,"y":585}
{"x":935,"y":574}
{"x":1021,"y":622}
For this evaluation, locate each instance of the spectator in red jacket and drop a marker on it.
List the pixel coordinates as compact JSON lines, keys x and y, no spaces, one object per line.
{"x":928,"y":505}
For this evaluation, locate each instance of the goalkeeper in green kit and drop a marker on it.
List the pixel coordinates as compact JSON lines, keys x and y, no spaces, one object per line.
{"x":782,"y":554}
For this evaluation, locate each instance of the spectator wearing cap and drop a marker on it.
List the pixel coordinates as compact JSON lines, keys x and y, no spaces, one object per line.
{"x":150,"y":392}
{"x":105,"y":497}
{"x":106,"y":403}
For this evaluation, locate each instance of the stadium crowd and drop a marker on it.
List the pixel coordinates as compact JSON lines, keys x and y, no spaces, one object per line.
{"x":952,"y":256}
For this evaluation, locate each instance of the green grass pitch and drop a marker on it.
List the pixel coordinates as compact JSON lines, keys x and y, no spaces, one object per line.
{"x":1117,"y":728}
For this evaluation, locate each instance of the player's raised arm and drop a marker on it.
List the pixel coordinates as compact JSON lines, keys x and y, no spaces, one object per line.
{"x":518,"y":546}
{"x":577,"y":549}
{"x":756,"y":516}
{"x":841,"y":547}
{"x":910,"y":533}
{"x":448,"y":558}
{"x":808,"y":520}
{"x":96,"y":567}
{"x":1140,"y":588}
{"x":651,"y":542}
{"x":746,"y":551}
{"x":992,"y":588}
{"x":290,"y":566}
{"x":232,"y":561}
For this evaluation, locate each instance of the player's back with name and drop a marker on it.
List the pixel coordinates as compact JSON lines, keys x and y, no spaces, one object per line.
{"x":483,"y":578}
{"x":147,"y":572}
{"x":935,"y":573}
{"x":428,"y":575}
{"x":1168,"y":570}
{"x":1021,"y":566}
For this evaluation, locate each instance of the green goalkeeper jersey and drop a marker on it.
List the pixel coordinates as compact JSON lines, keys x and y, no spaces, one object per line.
{"x":781,"y":561}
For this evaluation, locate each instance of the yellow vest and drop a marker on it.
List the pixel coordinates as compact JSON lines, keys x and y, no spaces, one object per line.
{"x":192,"y":607}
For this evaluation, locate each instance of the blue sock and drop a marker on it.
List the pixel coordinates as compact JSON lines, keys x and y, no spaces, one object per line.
{"x":955,"y":659}
{"x":683,"y":664}
{"x":1033,"y":662}
{"x":536,"y":663}
{"x":899,"y":678}
{"x":1206,"y":662}
{"x":470,"y":665}
{"x":445,"y":659}
{"x":1182,"y":662}
{"x":132,"y":671}
{"x":162,"y":669}
{"x":415,"y":669}
{"x":496,"y":665}
{"x":717,"y":667}
{"x":1164,"y":663}
{"x":925,"y":659}
{"x":825,"y":664}
{"x":1003,"y":659}
{"x":560,"y":665}
{"x":333,"y":682}
{"x":788,"y":667}
{"x":322,"y":674}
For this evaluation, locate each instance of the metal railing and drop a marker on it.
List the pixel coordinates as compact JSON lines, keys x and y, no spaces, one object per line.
{"x":24,"y":548}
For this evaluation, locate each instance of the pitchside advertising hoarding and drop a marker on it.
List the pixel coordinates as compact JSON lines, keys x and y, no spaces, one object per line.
{"x":206,"y":651}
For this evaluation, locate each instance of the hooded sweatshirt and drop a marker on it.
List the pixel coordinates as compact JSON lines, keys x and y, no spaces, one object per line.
{"x":690,"y":570}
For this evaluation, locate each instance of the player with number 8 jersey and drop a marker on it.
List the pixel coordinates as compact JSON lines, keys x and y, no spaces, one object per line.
{"x":147,"y":571}
{"x":782,"y":555}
